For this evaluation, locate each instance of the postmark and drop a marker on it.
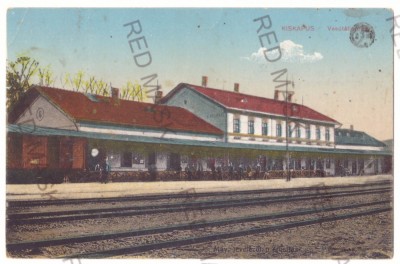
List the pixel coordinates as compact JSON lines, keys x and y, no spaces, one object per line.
{"x":362,"y":35}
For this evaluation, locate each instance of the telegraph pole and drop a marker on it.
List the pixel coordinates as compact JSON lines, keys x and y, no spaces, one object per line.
{"x":288,"y":99}
{"x":288,"y":176}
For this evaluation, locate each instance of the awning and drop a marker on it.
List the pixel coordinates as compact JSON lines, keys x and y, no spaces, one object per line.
{"x":44,"y":131}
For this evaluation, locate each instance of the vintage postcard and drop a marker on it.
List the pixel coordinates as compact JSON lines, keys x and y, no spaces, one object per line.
{"x":200,"y":133}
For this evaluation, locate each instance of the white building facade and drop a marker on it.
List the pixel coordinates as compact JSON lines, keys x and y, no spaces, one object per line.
{"x":303,"y":138}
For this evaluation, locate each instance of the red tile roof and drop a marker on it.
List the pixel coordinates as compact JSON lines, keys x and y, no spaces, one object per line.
{"x":81,"y":108}
{"x":259,"y":104}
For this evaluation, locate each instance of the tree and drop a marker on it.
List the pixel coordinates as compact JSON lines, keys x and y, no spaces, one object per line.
{"x":22,"y":73}
{"x":79,"y":83}
{"x":46,"y":76}
{"x":78,"y":80}
{"x":90,"y":85}
{"x":65,"y":79}
{"x":102,"y":88}
{"x":19,"y":76}
{"x":132,"y":92}
{"x":126,"y":90}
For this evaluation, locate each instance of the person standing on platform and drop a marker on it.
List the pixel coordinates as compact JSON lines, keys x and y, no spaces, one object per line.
{"x":104,"y":169}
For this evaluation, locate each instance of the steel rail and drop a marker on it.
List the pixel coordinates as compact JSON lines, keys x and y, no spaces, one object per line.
{"x":182,"y":195}
{"x":188,"y":203}
{"x":16,"y":219}
{"x":220,"y":236}
{"x":186,"y":226}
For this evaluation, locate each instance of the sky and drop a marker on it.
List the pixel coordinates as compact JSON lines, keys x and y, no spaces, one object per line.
{"x":353,"y":85}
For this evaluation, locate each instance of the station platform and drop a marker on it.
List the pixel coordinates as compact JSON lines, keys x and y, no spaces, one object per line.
{"x":16,"y":192}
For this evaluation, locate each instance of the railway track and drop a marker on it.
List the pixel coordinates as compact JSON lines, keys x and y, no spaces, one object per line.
{"x":163,"y":236}
{"x":183,"y":195}
{"x":311,"y":220}
{"x":70,"y":215}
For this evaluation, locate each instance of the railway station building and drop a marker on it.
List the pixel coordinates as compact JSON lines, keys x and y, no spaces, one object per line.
{"x":194,"y":132}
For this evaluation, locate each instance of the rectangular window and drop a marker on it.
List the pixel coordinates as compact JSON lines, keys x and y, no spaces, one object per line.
{"x":361,"y":166}
{"x":265,"y":128}
{"x":327,"y":134}
{"x":251,"y":127}
{"x":290,"y":131}
{"x":318,"y":133}
{"x":312,"y":164}
{"x":298,"y":131}
{"x":354,"y":166}
{"x":319,"y":164}
{"x":328,"y":163}
{"x":291,"y":164}
{"x":236,"y":125}
{"x":308,"y":132}
{"x":137,"y":158}
{"x":126,"y":159}
{"x":298,"y":164}
{"x":278,"y":130}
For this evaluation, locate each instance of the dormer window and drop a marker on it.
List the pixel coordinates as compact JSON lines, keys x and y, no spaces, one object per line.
{"x":92,"y":97}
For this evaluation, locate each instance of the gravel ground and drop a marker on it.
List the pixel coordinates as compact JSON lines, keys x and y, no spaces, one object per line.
{"x":327,"y":240}
{"x":122,"y":204}
{"x":88,"y":226}
{"x":360,"y":237}
{"x":369,"y":236}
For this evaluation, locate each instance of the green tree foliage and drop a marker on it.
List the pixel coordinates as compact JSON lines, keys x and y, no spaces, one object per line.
{"x":102,"y":88}
{"x":46,"y":76}
{"x":78,"y":80}
{"x":133,"y":92}
{"x":25,"y":72}
{"x":81,"y":82}
{"x":90,"y":84}
{"x":19,"y":76}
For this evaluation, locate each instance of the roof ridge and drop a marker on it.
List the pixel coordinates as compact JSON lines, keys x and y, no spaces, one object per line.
{"x":233,"y":92}
{"x":133,"y":113}
{"x":106,"y":97}
{"x":256,"y":96}
{"x":84,"y":94}
{"x":277,"y":103}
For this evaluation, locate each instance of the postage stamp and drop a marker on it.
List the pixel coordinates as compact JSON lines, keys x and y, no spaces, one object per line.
{"x":200,"y":133}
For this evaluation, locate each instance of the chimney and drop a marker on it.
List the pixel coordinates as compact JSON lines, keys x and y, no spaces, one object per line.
{"x":158,"y":96}
{"x":276,"y":95}
{"x":115,"y":95}
{"x":351,"y":127}
{"x":204,"y":81}
{"x":236,"y":87}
